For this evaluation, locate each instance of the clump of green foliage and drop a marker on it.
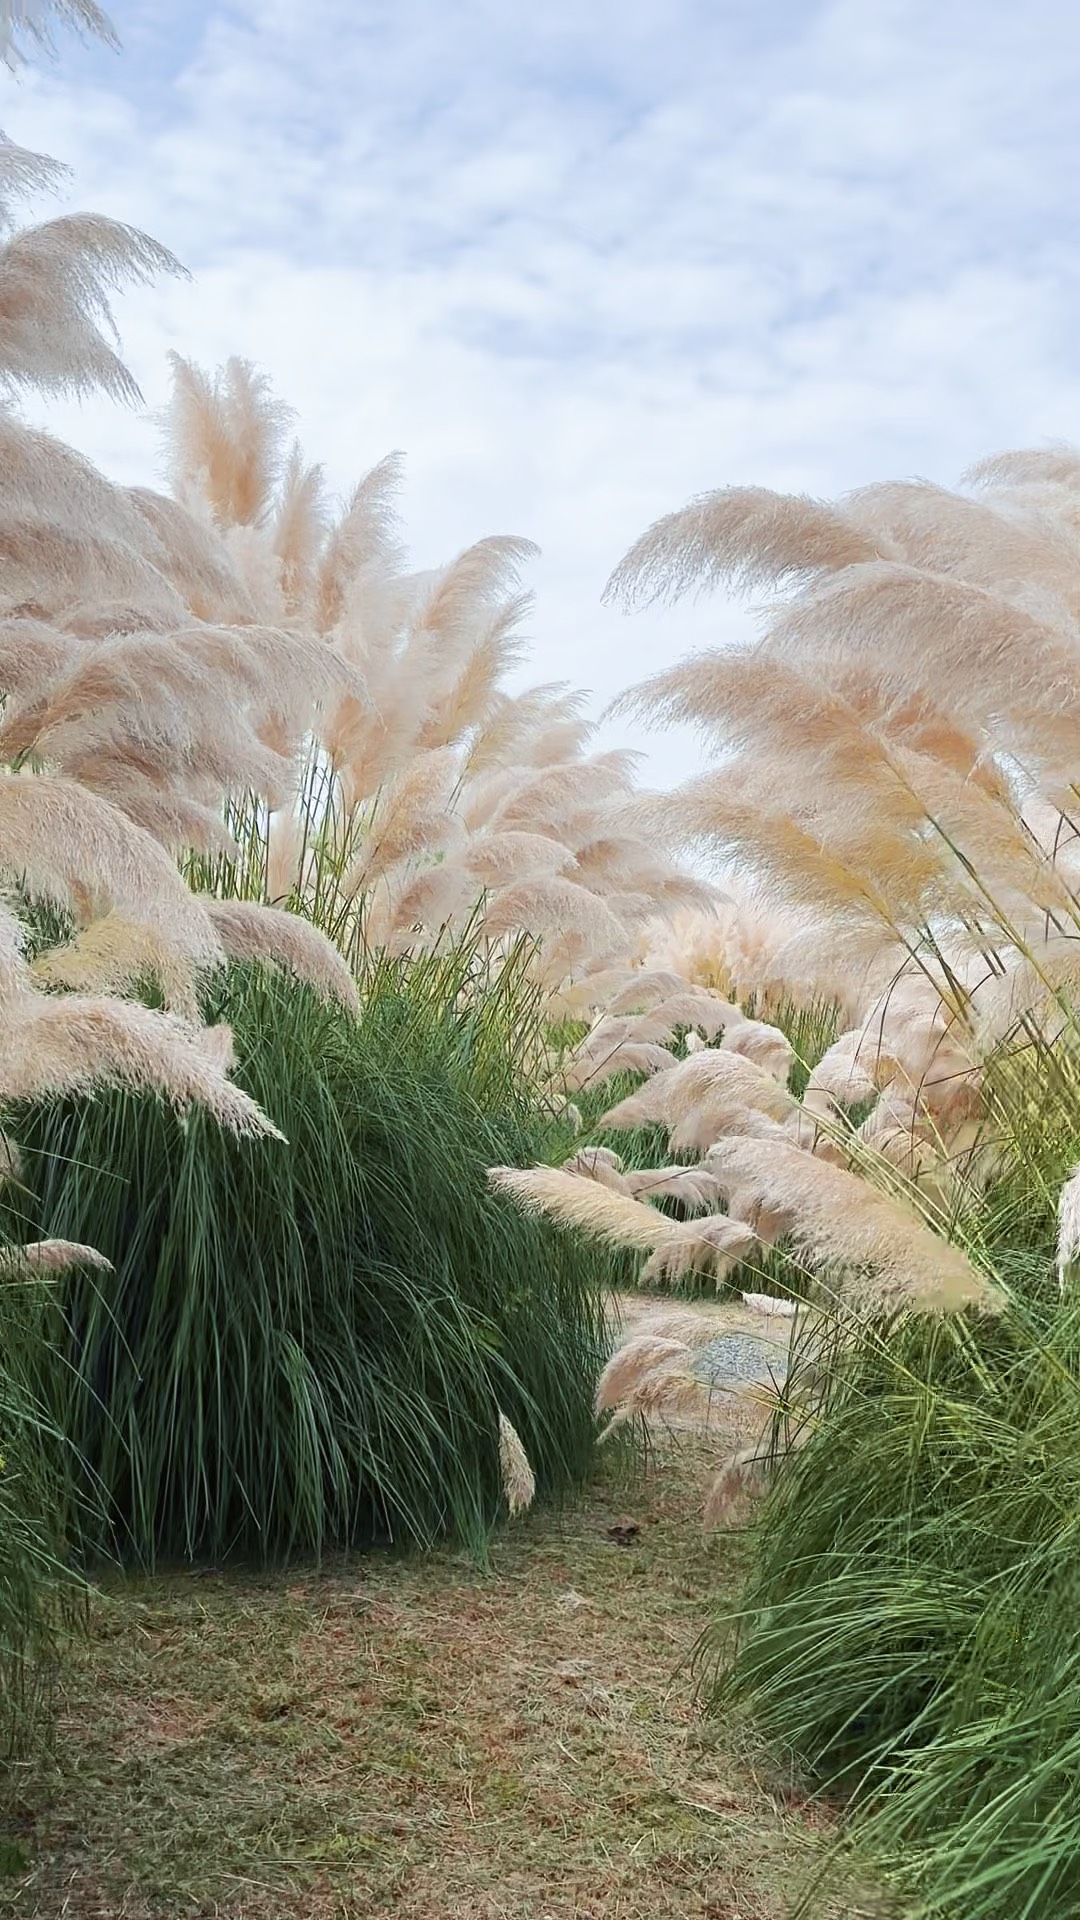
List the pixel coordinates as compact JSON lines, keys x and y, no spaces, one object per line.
{"x":908,"y":1631}
{"x":310,"y":1344}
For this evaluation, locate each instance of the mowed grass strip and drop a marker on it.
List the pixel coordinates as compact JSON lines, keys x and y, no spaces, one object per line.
{"x":419,"y":1737}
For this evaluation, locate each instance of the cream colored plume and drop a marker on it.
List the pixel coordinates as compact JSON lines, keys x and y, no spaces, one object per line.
{"x":559,"y":907}
{"x":648,"y":1374}
{"x":226,"y":435}
{"x":658,"y":1371}
{"x":600,"y":1164}
{"x":847,"y":965}
{"x":585,"y":995}
{"x":765,"y":1045}
{"x":913,"y":1040}
{"x":250,"y":931}
{"x":425,"y":906}
{"x":707,"y":1012}
{"x":43,"y":1257}
{"x":902,"y":1131}
{"x":363,"y":544}
{"x":503,"y":859}
{"x":23,"y":175}
{"x":892,"y":1261}
{"x":644,"y":989}
{"x":85,"y":580}
{"x":692,"y":1187}
{"x":852,"y":1070}
{"x":113,"y":955}
{"x":1058,"y":464}
{"x":731,"y":947}
{"x":53,"y":282}
{"x":518,"y":1479}
{"x":687,"y":1324}
{"x":716,"y":1245}
{"x":998,"y":542}
{"x":31,"y":651}
{"x":482,"y":576}
{"x":194,"y":560}
{"x":73,"y":849}
{"x":1068,"y":1246}
{"x":660,"y":1023}
{"x":745,"y":534}
{"x":712,"y":1093}
{"x":576,"y":1202}
{"x":165,"y":725}
{"x":46,"y":483}
{"x":973,"y":646}
{"x":73,"y":1044}
{"x":1037,"y":987}
{"x":297,"y":532}
{"x":552,"y":799}
{"x":676,"y":1248}
{"x":591,"y":1065}
{"x":33,"y":19}
{"x":640,"y":1109}
{"x":411,"y":816}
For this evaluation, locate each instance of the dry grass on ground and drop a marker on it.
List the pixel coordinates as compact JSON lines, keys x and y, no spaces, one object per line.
{"x":419,"y":1738}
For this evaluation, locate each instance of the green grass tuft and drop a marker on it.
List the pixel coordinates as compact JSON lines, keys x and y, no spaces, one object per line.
{"x":909,"y":1630}
{"x":309,"y":1344}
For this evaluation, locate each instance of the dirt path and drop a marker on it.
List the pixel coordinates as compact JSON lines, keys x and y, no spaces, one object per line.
{"x":730,"y":1421}
{"x":631,"y":1310}
{"x":421,"y":1738}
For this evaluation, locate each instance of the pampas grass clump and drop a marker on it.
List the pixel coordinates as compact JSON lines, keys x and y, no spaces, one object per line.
{"x":898,"y":772}
{"x":909,"y":1627}
{"x":319,"y":1343}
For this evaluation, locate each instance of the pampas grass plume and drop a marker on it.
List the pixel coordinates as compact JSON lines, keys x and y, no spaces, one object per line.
{"x":248,"y":930}
{"x":892,"y":1261}
{"x":43,"y":1257}
{"x":73,"y":1044}
{"x":518,"y":1479}
{"x":1068,"y":1244}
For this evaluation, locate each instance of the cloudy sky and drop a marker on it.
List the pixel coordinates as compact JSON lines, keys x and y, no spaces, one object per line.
{"x":583,"y":261}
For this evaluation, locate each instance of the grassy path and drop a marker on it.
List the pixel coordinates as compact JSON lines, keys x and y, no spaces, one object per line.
{"x":418,"y":1738}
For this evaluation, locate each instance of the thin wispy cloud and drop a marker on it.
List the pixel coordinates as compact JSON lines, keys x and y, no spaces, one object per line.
{"x":583,"y":263}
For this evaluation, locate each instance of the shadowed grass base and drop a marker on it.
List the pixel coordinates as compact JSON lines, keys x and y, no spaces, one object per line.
{"x":40,"y":1597}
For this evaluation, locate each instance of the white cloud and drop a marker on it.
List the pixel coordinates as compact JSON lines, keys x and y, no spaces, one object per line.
{"x":582,"y":262}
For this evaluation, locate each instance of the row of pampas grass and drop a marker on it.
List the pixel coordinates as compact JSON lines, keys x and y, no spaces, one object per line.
{"x":896,"y":784}
{"x":292,"y":888}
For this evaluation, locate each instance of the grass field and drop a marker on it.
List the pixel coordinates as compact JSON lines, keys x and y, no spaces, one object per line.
{"x":420,"y":1737}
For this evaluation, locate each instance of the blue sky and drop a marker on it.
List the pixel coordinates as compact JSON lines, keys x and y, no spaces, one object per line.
{"x":582,"y":262}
